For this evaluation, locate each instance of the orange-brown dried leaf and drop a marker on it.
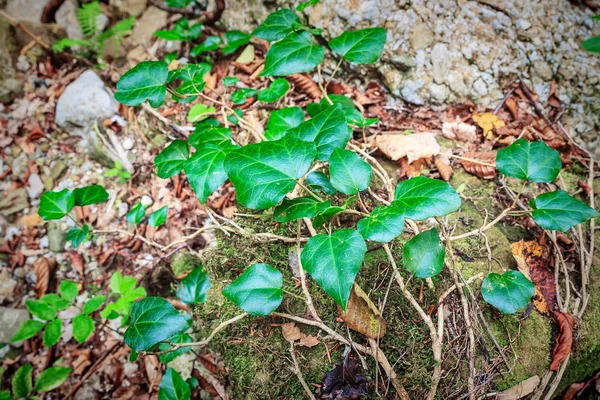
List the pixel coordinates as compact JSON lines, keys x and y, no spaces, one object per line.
{"x":482,"y":171}
{"x":564,"y":339}
{"x":77,"y":262}
{"x":443,"y":168}
{"x":305,"y":84}
{"x":362,"y":315}
{"x":42,"y":270}
{"x":533,"y":263}
{"x":513,"y":107}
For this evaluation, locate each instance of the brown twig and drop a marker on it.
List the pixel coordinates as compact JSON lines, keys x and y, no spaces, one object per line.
{"x":49,"y":12}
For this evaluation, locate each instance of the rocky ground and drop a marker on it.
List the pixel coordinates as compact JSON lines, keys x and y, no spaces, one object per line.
{"x":444,"y":62}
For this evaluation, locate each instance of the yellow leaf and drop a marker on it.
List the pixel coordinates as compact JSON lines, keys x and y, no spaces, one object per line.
{"x":488,"y":122}
{"x":247,"y":55}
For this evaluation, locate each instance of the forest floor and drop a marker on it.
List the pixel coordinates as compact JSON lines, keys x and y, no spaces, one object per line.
{"x":260,"y":357}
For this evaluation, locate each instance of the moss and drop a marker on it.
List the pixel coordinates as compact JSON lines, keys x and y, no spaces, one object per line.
{"x":184,"y":262}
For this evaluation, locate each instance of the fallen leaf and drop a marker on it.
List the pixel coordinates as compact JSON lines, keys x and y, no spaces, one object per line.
{"x":42,"y":268}
{"x":291,"y":333}
{"x":362,"y":315}
{"x":309,"y":341}
{"x":306,"y":85}
{"x":414,"y":146}
{"x":513,"y":107}
{"x":443,"y":166}
{"x":481,"y":170}
{"x":520,"y":390}
{"x":81,"y":362}
{"x":32,"y":220}
{"x":564,"y":339}
{"x":488,"y":122}
{"x":343,"y":381}
{"x":459,"y":130}
{"x":153,"y":371}
{"x":77,"y":262}
{"x":247,"y":56}
{"x":532,"y":263}
{"x":578,"y":390}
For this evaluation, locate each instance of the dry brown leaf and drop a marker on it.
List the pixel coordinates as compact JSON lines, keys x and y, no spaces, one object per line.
{"x":488,"y":122}
{"x":520,"y":390}
{"x":513,"y":107}
{"x":77,"y":262}
{"x":32,"y":220}
{"x":459,"y":130}
{"x":444,"y":168}
{"x":309,"y":341}
{"x":362,"y":315}
{"x":564,"y":339}
{"x":532,"y":263}
{"x":153,"y":371}
{"x":42,"y":268}
{"x":81,"y":362}
{"x":291,"y":332}
{"x":414,"y":147}
{"x":481,"y":170}
{"x":305,"y":84}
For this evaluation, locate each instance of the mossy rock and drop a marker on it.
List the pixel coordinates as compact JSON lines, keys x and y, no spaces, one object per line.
{"x":184,"y":262}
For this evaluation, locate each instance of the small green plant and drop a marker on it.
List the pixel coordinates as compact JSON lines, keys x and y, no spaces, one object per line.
{"x":24,"y":388}
{"x":119,"y":171}
{"x":592,"y":44}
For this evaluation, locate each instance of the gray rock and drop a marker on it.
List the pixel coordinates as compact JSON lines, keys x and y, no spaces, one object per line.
{"x":133,"y":7}
{"x":11,"y":320}
{"x":420,"y":36}
{"x":26,"y":10}
{"x":523,"y":24}
{"x":57,"y":169}
{"x":56,"y":240}
{"x":151,"y":20}
{"x":13,"y":202}
{"x":36,"y":186}
{"x":66,"y":16}
{"x":84,"y":102}
{"x":7,"y":286}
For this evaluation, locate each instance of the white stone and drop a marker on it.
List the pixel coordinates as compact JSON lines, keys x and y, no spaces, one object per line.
{"x":128,"y":143}
{"x":147,"y":201}
{"x":36,"y":186}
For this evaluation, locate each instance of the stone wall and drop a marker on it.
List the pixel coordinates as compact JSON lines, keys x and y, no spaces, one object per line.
{"x":445,"y":51}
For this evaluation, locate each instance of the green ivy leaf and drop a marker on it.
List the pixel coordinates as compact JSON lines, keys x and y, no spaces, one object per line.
{"x":507,"y":292}
{"x":207,"y":134}
{"x":181,"y":31}
{"x":302,"y":6}
{"x":349,"y":173}
{"x":5,"y":394}
{"x":22,"y":382}
{"x":194,"y":287}
{"x":235,"y":117}
{"x":383,"y":225}
{"x":277,"y":25}
{"x":136,"y":214}
{"x":233,"y":40}
{"x":192,"y":81}
{"x":173,"y":387}
{"x":170,"y":161}
{"x":424,"y":254}
{"x":263,"y":173}
{"x":178,"y":3}
{"x":145,"y":81}
{"x":90,"y":195}
{"x":230,"y":81}
{"x":240,"y":96}
{"x":328,"y":130}
{"x":93,"y":304}
{"x":68,"y":290}
{"x":283,"y":120}
{"x":52,"y":332}
{"x":205,"y":171}
{"x":177,"y":339}
{"x":257,"y":290}
{"x":533,"y":161}
{"x":363,"y":46}
{"x":158,"y":217}
{"x":558,"y":211}
{"x":317,"y":180}
{"x":592,"y":44}
{"x":55,"y":205}
{"x":351,"y":113}
{"x":153,"y":320}
{"x":276,"y":90}
{"x":293,"y":54}
{"x":27,"y":330}
{"x":420,"y":198}
{"x":78,"y":235}
{"x":333,"y":261}
{"x":83,"y":326}
{"x":211,"y":43}
{"x":300,"y":207}
{"x":327,"y":215}
{"x":41,"y":309}
{"x":51,"y":378}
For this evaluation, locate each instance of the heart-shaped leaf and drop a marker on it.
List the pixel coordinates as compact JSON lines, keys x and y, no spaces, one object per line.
{"x":277,"y":25}
{"x":192,"y":81}
{"x":51,"y":378}
{"x":592,"y":44}
{"x":508,"y":292}
{"x":173,"y":387}
{"x":158,"y":217}
{"x":178,"y":3}
{"x":233,"y":40}
{"x":27,"y":330}
{"x":136,"y":214}
{"x":83,"y":326}
{"x":293,"y":54}
{"x":68,"y":290}
{"x":78,"y":235}
{"x":145,"y":81}
{"x":363,"y":46}
{"x":52,"y":332}
{"x":263,"y":173}
{"x":420,"y":198}
{"x":257,"y":290}
{"x":558,"y":211}
{"x":230,"y":81}
{"x":153,"y":320}
{"x":283,"y":120}
{"x":534,"y":161}
{"x":304,"y":4}
{"x":90,"y":195}
{"x":181,"y":31}
{"x":211,"y":43}
{"x":326,"y":215}
{"x":55,"y":205}
{"x":300,"y":207}
{"x":349,"y":173}
{"x":206,"y":171}
{"x":240,"y":96}
{"x":333,"y":261}
{"x":317,"y":180}
{"x":423,"y":255}
{"x":276,"y":90}
{"x":200,"y":112}
{"x":328,"y":130}
{"x":193,"y":288}
{"x":207,"y":133}
{"x":177,"y":339}
{"x":170,"y":161}
{"x":93,"y":304}
{"x":351,"y":113}
{"x":383,"y":225}
{"x":22,"y":382}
